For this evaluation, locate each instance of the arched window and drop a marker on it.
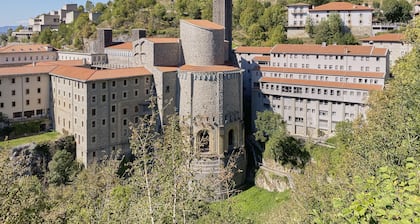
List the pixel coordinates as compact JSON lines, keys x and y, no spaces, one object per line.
{"x":231,"y":138}
{"x":203,"y":141}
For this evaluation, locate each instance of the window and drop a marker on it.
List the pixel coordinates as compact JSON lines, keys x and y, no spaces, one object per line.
{"x":103,"y":98}
{"x":167,"y":89}
{"x":13,"y":103}
{"x":125,"y":111}
{"x":27,"y":102}
{"x":93,"y":112}
{"x":13,"y":92}
{"x":39,"y":100}
{"x":27,"y":91}
{"x":38,"y":78}
{"x":112,"y":134}
{"x":124,"y":94}
{"x":125,"y":122}
{"x":113,"y":84}
{"x":13,"y":80}
{"x":113,"y":96}
{"x":39,"y":90}
{"x":93,"y":124}
{"x":113,"y":108}
{"x":1,"y":105}
{"x":125,"y":82}
{"x":93,"y":99}
{"x":103,"y":85}
{"x":27,"y":79}
{"x":93,"y":86}
{"x":93,"y":141}
{"x":112,"y":119}
{"x":103,"y":122}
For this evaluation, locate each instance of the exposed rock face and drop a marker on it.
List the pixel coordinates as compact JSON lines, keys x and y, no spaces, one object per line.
{"x":271,"y":182}
{"x":28,"y":159}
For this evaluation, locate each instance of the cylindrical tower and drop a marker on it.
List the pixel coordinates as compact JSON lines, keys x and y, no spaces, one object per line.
{"x":202,"y":42}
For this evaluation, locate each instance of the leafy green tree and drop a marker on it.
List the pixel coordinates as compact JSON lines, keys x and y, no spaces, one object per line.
{"x":332,"y":31}
{"x":62,"y":167}
{"x":309,"y":27}
{"x":267,"y":123}
{"x":397,"y":10}
{"x":392,"y":195}
{"x":89,"y":6}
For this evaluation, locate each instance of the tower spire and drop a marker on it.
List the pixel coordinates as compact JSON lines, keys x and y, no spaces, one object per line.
{"x":222,"y":15}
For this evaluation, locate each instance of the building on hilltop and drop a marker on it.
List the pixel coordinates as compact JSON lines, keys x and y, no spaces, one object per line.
{"x":95,"y":99}
{"x":313,"y":87}
{"x":20,"y":54}
{"x":394,"y":42}
{"x":357,"y":18}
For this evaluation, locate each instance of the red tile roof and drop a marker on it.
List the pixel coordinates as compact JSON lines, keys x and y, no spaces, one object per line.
{"x":204,"y":24}
{"x":63,"y":62}
{"x":26,"y":48}
{"x":122,"y":46}
{"x":341,"y":6}
{"x":323,"y":72}
{"x":261,"y":58}
{"x":78,"y":73}
{"x":253,"y":50}
{"x":329,"y":49}
{"x":85,"y":74}
{"x":212,"y":68}
{"x":160,"y":40}
{"x":388,"y":37}
{"x":340,"y":85}
{"x":25,"y":70}
{"x":119,"y":73}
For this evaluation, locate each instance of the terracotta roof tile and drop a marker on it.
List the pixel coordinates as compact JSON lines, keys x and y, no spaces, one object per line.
{"x":78,"y":73}
{"x":119,"y":73}
{"x":261,"y":58}
{"x":341,"y":85}
{"x":25,"y":70}
{"x":86,"y":74}
{"x":388,"y":37}
{"x":160,"y":40}
{"x":122,"y":46}
{"x":61,"y":62}
{"x":26,"y":48}
{"x":329,"y":49}
{"x":212,"y":68}
{"x":341,"y":6}
{"x":253,"y":50}
{"x":204,"y":24}
{"x":323,"y":72}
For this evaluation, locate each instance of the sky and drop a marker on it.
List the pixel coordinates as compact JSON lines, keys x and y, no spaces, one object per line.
{"x":18,"y":12}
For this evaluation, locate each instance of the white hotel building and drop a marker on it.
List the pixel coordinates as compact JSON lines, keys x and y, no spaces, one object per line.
{"x":313,"y":87}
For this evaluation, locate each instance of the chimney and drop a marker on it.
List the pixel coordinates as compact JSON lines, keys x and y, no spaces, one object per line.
{"x":324,"y":44}
{"x":137,"y":34}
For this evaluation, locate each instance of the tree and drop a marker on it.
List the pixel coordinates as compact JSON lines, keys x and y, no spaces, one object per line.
{"x":62,"y":167}
{"x":309,"y":26}
{"x":397,"y":10}
{"x":333,"y":31}
{"x":267,"y":123}
{"x":392,"y":195}
{"x":89,"y":6}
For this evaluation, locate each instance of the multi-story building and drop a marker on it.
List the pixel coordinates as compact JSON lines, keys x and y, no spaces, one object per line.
{"x":18,"y":54}
{"x":314,"y":87}
{"x":24,"y":92}
{"x":394,"y":42}
{"x":357,"y":18}
{"x":44,"y":21}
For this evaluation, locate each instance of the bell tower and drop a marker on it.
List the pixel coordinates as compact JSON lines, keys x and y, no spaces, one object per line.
{"x":222,"y":15}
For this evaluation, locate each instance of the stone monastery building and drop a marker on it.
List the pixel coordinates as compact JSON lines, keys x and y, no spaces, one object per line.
{"x":95,"y":96}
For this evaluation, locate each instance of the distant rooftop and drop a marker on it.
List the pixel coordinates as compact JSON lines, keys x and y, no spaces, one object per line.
{"x":329,"y":49}
{"x":26,"y":48}
{"x":388,"y":37}
{"x":341,"y":6}
{"x":204,"y":24}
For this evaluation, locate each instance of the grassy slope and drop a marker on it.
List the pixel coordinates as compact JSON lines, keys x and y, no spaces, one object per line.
{"x":35,"y":138}
{"x":254,"y":204}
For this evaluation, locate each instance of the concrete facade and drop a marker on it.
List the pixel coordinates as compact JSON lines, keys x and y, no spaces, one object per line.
{"x":357,"y":18}
{"x":314,"y":87}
